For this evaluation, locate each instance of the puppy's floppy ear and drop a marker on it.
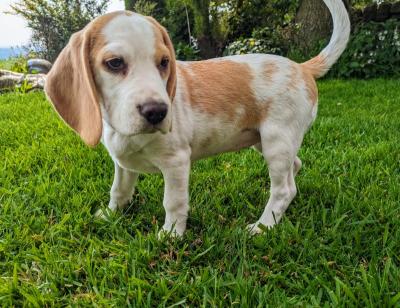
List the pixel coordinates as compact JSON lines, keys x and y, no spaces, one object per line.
{"x":71,"y":88}
{"x":171,"y":84}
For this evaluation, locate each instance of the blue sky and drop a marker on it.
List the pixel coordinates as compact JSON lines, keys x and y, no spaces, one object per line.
{"x":13,"y":29}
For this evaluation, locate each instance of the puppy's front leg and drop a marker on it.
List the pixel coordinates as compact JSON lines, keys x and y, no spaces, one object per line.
{"x":176,"y":198}
{"x":123,"y":187}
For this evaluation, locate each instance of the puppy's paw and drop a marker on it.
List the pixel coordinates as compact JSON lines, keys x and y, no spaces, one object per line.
{"x":103,"y":213}
{"x":168,"y":231}
{"x":257,"y":228}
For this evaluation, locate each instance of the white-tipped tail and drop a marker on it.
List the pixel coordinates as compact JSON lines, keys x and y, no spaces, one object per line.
{"x":320,"y":65}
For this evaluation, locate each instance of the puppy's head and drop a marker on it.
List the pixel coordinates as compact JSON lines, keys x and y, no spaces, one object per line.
{"x":120,"y":68}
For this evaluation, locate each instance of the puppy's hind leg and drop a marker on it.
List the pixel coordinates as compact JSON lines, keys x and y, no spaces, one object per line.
{"x":122,"y":189}
{"x":297,"y":166}
{"x":279,"y":149}
{"x":258,"y":147}
{"x":297,"y":161}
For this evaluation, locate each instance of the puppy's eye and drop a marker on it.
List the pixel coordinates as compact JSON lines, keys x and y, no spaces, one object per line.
{"x":164,"y":63}
{"x":115,"y":64}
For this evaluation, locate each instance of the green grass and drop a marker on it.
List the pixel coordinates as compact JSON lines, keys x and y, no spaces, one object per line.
{"x":338,"y":244}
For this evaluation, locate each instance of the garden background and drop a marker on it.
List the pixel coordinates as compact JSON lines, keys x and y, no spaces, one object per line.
{"x":339,"y":242}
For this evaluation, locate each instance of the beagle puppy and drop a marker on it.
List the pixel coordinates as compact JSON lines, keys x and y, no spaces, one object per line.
{"x":117,"y":81}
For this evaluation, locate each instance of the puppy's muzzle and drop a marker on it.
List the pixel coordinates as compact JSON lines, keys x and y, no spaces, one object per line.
{"x":154,"y":112}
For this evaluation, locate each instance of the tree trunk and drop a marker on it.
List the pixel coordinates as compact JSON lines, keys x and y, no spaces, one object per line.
{"x":206,"y":40}
{"x":315,"y":24}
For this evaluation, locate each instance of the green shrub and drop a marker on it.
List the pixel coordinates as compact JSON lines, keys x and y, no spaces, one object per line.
{"x":53,"y":22}
{"x":243,"y":17}
{"x":144,"y":7}
{"x":265,"y":40}
{"x":19,"y":65}
{"x":186,"y":52}
{"x":373,"y":51}
{"x":175,"y":21}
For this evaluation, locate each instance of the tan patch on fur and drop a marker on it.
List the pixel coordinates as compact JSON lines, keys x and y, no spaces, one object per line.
{"x":316,"y":66}
{"x":294,"y":79}
{"x":222,"y":88}
{"x":164,"y":46}
{"x":270,"y":69}
{"x":311,"y":86}
{"x":70,"y":83}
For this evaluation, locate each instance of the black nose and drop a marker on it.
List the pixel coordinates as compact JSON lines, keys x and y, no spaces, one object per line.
{"x":153,"y":112}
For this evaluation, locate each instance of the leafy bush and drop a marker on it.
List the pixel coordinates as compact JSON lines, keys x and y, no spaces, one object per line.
{"x":264,"y":40}
{"x":144,"y":7}
{"x":53,"y":21}
{"x":19,"y":65}
{"x":373,"y":51}
{"x":187,"y":52}
{"x":247,"y":15}
{"x":176,"y":21}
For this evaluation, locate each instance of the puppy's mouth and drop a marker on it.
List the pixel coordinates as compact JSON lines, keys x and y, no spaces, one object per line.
{"x":163,"y":127}
{"x":151,"y":129}
{"x":146,"y":129}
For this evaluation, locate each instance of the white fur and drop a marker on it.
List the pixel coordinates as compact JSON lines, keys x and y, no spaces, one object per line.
{"x":132,"y":38}
{"x":134,"y":150}
{"x":340,"y":35}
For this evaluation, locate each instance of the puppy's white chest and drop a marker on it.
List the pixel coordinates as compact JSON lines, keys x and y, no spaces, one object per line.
{"x":136,"y":162}
{"x":128,"y":152}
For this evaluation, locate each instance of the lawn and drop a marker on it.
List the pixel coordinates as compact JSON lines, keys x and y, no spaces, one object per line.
{"x":338,"y":244}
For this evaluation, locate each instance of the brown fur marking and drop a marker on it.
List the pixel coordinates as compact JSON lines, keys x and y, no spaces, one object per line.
{"x":293,"y":77}
{"x":223,"y":88}
{"x":311,"y":85}
{"x":164,"y":47}
{"x":70,"y":83}
{"x":270,"y":69}
{"x":316,"y":66}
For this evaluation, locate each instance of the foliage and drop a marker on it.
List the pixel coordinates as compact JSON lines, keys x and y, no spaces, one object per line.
{"x":237,"y":23}
{"x":15,"y":64}
{"x":155,"y":8}
{"x":248,"y":15}
{"x":363,"y":3}
{"x":144,"y":7}
{"x":176,"y":21}
{"x":173,"y":15}
{"x":207,"y":27}
{"x":53,"y":21}
{"x":337,"y":245}
{"x":373,"y":51}
{"x":25,"y":87}
{"x":186,"y":52}
{"x":264,"y":40}
{"x":6,"y":64}
{"x":201,"y":9}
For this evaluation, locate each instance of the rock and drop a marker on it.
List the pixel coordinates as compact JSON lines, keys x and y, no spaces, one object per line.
{"x":39,"y":65}
{"x":9,"y":80}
